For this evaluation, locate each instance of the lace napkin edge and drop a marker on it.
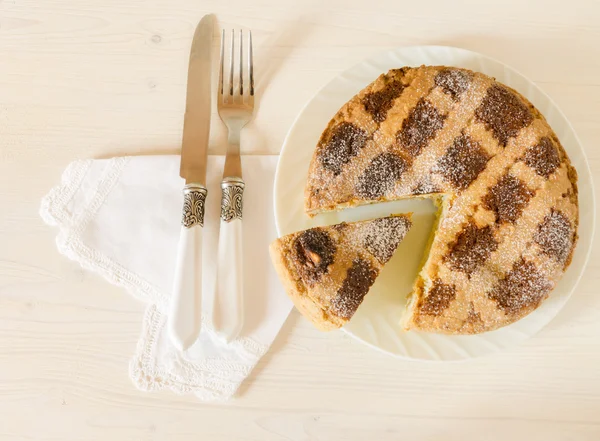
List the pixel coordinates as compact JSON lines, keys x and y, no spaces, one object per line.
{"x":53,"y":211}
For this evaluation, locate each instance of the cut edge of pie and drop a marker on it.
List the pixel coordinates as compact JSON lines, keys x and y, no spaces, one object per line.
{"x":423,"y":282}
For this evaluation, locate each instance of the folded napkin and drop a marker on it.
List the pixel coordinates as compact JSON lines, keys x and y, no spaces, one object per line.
{"x":121,"y":218}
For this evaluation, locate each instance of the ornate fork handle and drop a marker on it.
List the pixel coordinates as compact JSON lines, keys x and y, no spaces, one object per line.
{"x":232,"y":196}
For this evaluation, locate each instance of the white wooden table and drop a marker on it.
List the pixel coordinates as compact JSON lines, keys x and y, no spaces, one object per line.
{"x":98,"y":78}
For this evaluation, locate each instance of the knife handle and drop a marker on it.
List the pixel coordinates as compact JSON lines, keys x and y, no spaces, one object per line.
{"x":184,"y":318}
{"x":228,"y":306}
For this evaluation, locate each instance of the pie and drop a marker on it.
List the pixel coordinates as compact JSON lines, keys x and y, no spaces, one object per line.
{"x":505,"y":187}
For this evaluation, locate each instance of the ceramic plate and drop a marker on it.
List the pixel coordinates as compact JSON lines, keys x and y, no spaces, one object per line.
{"x":377,"y":321}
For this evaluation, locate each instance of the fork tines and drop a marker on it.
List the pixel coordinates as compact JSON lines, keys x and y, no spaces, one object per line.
{"x":232,"y":89}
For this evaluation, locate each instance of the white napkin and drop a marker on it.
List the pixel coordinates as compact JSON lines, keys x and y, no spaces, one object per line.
{"x":121,"y":218}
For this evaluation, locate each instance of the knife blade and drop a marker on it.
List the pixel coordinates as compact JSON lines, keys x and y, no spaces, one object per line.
{"x":196,"y":123}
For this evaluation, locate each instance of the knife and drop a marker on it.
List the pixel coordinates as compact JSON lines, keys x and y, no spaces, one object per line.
{"x":184,"y":318}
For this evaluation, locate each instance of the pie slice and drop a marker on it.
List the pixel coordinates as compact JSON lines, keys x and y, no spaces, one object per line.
{"x":327,"y":271}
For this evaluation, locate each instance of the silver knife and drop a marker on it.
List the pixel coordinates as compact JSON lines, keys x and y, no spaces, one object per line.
{"x":184,"y":318}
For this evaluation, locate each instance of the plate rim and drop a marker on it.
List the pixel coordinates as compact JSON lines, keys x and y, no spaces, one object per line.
{"x":373,"y":59}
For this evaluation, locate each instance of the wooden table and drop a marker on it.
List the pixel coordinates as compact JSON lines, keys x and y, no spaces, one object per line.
{"x":91,"y":78}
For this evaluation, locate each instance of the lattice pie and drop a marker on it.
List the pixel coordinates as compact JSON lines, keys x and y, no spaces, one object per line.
{"x":505,"y":187}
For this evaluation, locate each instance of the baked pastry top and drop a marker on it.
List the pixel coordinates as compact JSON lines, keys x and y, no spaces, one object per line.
{"x":327,"y":271}
{"x":506,"y":189}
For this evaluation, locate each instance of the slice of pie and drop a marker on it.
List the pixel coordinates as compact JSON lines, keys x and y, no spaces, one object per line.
{"x":327,"y":271}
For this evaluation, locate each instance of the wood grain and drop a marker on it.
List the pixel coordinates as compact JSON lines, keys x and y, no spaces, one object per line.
{"x":97,"y":78}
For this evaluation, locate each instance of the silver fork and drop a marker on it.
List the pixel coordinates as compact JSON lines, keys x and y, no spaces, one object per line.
{"x":236,"y":106}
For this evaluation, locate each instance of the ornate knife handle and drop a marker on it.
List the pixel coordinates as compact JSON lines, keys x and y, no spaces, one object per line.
{"x":228,"y":307}
{"x":194,"y":198}
{"x":184,"y":317}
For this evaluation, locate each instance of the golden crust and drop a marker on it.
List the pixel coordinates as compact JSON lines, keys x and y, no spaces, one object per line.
{"x":509,"y":192}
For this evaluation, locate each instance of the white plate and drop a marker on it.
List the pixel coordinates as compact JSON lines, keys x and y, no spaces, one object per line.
{"x":376,"y":323}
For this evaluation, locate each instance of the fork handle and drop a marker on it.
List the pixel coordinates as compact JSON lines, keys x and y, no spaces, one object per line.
{"x":228,"y":307}
{"x":184,"y":315}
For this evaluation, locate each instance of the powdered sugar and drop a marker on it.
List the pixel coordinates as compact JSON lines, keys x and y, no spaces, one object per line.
{"x":453,"y":81}
{"x":523,"y":287}
{"x":555,"y":236}
{"x":382,"y":236}
{"x":345,"y":142}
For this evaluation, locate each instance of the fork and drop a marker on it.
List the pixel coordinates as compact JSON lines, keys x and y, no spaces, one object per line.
{"x":235,"y":104}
